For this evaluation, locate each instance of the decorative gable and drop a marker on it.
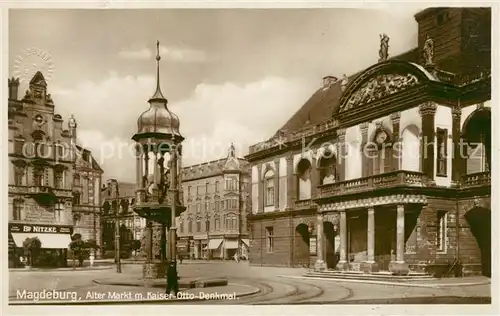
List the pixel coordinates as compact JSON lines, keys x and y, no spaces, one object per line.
{"x":379,"y":87}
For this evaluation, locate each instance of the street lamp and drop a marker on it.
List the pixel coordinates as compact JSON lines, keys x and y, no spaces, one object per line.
{"x":117,"y":236}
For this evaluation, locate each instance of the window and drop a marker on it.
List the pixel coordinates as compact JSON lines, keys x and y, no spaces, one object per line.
{"x":38,"y":177}
{"x":207,"y":206}
{"x":207,"y":188}
{"x":217,"y":188}
{"x":197,"y":190}
{"x":217,"y":222}
{"x":181,"y":227}
{"x":198,"y":208}
{"x":190,"y":226}
{"x":198,"y":226}
{"x":189,"y":191}
{"x":207,"y":224}
{"x":217,"y":206}
{"x":442,"y":217}
{"x":270,"y":239}
{"x":269,"y":197}
{"x":232,"y":203}
{"x":76,"y":198}
{"x":231,"y":222}
{"x":17,"y":207}
{"x":19,"y":175}
{"x":442,"y":152}
{"x":58,"y":179}
{"x":58,"y":211}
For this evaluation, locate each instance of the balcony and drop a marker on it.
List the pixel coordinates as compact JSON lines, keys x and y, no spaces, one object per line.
{"x":478,"y":179}
{"x":63,"y":193}
{"x":381,"y":181}
{"x":40,"y":190}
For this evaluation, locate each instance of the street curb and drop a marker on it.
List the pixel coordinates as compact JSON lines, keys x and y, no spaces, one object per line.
{"x":385,"y":282}
{"x":61,"y":269}
{"x":255,"y":290}
{"x":153,"y":283}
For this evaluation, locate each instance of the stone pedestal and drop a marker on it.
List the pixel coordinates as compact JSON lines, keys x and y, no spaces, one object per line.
{"x":342,"y":266}
{"x":399,"y":268}
{"x":319,"y":265}
{"x":369,"y":267}
{"x":154,"y":270}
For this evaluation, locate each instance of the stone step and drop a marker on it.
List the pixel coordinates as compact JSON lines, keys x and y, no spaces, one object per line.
{"x":367,"y":276}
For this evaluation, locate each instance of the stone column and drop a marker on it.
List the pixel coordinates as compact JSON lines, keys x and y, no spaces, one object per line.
{"x":138,"y":167}
{"x":277,"y":184}
{"x":320,"y":264}
{"x":260,"y":182}
{"x":399,"y":266}
{"x":343,"y":264}
{"x":289,"y":182}
{"x":457,"y":159}
{"x":427,"y":112}
{"x":149,"y":241}
{"x":365,"y":162}
{"x":341,"y":153}
{"x":396,"y":149}
{"x":370,"y":265}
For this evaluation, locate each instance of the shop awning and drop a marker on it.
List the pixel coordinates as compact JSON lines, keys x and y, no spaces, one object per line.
{"x":49,"y":241}
{"x":214,"y":243}
{"x":230,"y":244}
{"x":246,"y":242}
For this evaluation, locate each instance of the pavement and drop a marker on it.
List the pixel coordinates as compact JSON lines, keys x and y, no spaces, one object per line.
{"x":251,"y":285}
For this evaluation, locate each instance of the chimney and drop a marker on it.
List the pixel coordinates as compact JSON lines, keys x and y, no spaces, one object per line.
{"x":13,"y":88}
{"x":328,"y":81}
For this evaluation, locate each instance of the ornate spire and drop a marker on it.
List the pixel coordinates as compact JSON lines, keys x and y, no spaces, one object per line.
{"x":158,"y":94}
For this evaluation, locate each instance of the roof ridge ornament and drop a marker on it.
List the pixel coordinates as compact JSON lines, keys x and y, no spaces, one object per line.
{"x":158,"y":94}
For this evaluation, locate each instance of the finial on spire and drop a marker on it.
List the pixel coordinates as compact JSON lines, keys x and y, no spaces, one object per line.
{"x":158,"y":94}
{"x":72,"y":121}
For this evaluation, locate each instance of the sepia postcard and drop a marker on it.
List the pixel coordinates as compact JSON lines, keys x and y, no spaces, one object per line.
{"x":326,"y":159}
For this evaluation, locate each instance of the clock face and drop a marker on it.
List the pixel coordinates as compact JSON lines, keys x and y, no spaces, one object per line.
{"x":39,"y":119}
{"x":381,"y":137}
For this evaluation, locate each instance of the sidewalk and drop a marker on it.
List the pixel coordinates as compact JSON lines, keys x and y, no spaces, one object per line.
{"x":94,"y":268}
{"x":431,"y":283}
{"x":135,"y":295}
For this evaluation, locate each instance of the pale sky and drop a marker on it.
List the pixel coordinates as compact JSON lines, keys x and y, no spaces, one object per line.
{"x":233,"y":75}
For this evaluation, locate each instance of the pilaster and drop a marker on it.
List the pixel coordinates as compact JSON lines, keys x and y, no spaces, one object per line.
{"x":365,"y":162}
{"x":341,"y":150}
{"x":260,"y":181}
{"x":457,"y":158}
{"x":320,"y":264}
{"x":396,"y":154}
{"x":289,"y":181}
{"x":276,"y":184}
{"x":427,"y":113}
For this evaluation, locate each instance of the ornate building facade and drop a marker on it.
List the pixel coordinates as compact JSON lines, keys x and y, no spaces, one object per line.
{"x":86,"y":197}
{"x":389,"y":168}
{"x":118,"y":201}
{"x":44,"y":160}
{"x":216,"y":196}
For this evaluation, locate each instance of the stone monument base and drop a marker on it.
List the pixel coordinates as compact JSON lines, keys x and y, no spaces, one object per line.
{"x":154,"y":270}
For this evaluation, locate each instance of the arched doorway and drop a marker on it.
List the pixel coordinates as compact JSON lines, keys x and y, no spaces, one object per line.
{"x":331,"y":245}
{"x":301,"y":246}
{"x":477,"y":133}
{"x":479,"y":220}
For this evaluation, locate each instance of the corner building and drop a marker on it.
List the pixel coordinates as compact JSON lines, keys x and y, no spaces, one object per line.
{"x":387,"y":169}
{"x":215,"y":223}
{"x":51,"y":178}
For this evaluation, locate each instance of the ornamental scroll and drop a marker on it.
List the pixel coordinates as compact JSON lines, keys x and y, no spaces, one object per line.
{"x":378,"y":88}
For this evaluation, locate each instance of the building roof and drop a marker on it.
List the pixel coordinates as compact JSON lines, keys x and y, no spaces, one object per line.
{"x":325,"y":102}
{"x":93,"y":164}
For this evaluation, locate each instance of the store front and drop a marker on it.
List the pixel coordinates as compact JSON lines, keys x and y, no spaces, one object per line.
{"x":54,"y":242}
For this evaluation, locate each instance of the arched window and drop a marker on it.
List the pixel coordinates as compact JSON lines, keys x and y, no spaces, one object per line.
{"x":410,"y":151}
{"x":217,"y":222}
{"x":477,"y":132}
{"x":38,"y":176}
{"x":327,"y":168}
{"x":269,"y":188}
{"x":190,"y":226}
{"x":17,"y":209}
{"x":304,"y":179}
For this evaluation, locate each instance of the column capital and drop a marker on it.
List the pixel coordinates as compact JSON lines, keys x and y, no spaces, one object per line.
{"x":289,"y":158}
{"x":364,"y":127}
{"x":320,"y":217}
{"x":277,"y":161}
{"x":456,"y":112}
{"x":427,"y":108}
{"x":341,"y":133}
{"x":395,"y":117}
{"x":371,"y":209}
{"x":400,"y":207}
{"x":259,"y":167}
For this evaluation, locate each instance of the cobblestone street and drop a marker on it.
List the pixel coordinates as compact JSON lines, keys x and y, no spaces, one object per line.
{"x":253,"y":285}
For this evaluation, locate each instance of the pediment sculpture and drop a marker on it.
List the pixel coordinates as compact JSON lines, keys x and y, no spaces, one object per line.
{"x":378,"y":88}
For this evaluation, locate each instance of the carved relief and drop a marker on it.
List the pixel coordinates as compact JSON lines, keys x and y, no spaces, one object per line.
{"x":379,"y":87}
